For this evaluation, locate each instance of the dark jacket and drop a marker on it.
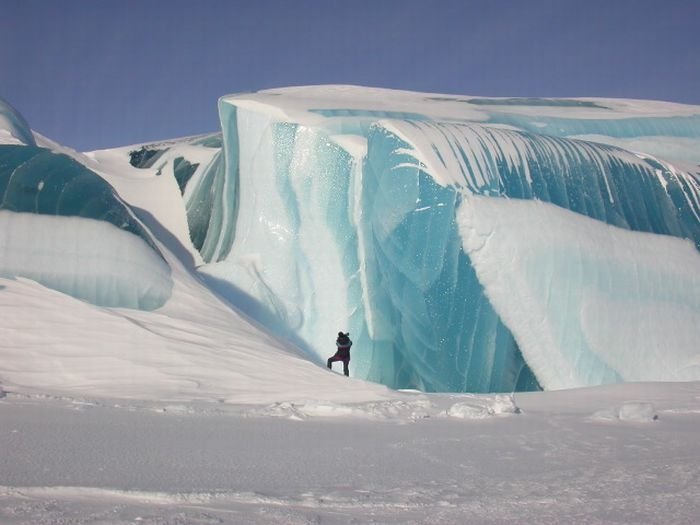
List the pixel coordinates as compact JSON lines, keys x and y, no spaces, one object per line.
{"x":343,"y":343}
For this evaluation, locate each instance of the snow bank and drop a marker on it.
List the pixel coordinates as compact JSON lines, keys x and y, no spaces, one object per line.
{"x":194,"y":348}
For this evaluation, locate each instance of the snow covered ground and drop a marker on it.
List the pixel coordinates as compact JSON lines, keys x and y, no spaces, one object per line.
{"x":618,"y":454}
{"x":193,"y":415}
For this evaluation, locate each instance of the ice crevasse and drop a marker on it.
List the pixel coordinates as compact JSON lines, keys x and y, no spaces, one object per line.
{"x":463,"y":250}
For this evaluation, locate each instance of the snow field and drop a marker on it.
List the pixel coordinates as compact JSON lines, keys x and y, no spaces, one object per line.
{"x":87,"y":461}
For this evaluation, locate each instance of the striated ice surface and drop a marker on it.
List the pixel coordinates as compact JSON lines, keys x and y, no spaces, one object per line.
{"x":340,"y":210}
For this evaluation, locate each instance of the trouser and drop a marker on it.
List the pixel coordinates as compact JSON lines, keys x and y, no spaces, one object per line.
{"x":345,"y":360}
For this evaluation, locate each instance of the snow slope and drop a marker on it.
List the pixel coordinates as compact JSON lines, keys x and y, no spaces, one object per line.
{"x":194,"y":348}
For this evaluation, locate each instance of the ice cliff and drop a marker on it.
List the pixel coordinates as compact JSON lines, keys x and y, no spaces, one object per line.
{"x":351,"y":209}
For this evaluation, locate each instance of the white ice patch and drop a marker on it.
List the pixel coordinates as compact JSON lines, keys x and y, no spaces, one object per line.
{"x":89,"y":259}
{"x":483,"y":407}
{"x":7,"y":138}
{"x":13,"y":128}
{"x":629,"y":412}
{"x":588,"y":303}
{"x":405,"y":409}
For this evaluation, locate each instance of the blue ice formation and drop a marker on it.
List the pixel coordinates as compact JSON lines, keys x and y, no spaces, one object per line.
{"x":467,"y":244}
{"x":340,"y":211}
{"x":65,"y":227}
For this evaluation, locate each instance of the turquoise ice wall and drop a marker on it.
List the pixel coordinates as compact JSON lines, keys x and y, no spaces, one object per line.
{"x":417,"y":311}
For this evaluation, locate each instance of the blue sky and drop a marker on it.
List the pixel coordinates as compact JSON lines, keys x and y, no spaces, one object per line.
{"x":100,"y":73}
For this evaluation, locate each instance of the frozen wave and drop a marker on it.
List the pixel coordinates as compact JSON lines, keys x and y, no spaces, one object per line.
{"x":65,"y":227}
{"x":587,"y":302}
{"x":336,"y":207}
{"x":345,"y":206}
{"x":86,"y":258}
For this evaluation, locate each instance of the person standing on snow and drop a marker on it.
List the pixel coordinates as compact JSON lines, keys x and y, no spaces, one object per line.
{"x":343,"y":344}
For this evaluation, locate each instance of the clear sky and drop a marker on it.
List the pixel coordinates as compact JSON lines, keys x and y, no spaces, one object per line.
{"x":101,"y":73}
